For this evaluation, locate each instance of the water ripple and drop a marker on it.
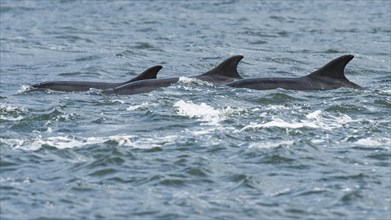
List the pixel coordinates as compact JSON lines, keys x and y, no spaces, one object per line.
{"x":193,"y":150}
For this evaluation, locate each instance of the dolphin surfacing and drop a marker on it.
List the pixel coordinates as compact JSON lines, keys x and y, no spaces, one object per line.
{"x":76,"y":86}
{"x":330,"y":76}
{"x":224,"y":73}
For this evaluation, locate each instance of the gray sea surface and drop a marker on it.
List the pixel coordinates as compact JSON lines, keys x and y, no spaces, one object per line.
{"x":194,"y":150}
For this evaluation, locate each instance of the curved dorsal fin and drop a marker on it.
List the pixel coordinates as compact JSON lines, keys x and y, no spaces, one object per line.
{"x":147,"y":74}
{"x":228,"y":68}
{"x":334,"y":69}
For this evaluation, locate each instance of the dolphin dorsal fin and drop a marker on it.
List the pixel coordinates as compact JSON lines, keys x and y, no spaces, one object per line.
{"x":147,"y":74}
{"x":228,"y":68}
{"x":334,"y":69}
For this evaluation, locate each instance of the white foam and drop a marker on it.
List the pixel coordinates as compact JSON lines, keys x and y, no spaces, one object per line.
{"x":314,"y":115}
{"x":12,"y":142}
{"x":190,"y":80}
{"x":202,"y":111}
{"x":281,"y":124}
{"x":8,"y":108}
{"x":61,"y":142}
{"x":118,"y":101}
{"x":314,"y":119}
{"x":122,"y":140}
{"x":369,"y":142}
{"x":15,"y":182}
{"x":195,"y":110}
{"x":136,"y":107}
{"x":280,"y":107}
{"x":317,"y":141}
{"x":270,"y":144}
{"x":387,"y":92}
{"x":4,"y":109}
{"x":187,"y":80}
{"x":154,"y":141}
{"x":2,"y":117}
{"x":24,"y":88}
{"x":64,"y":142}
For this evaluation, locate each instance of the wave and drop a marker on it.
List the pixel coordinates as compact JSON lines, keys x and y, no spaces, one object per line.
{"x":312,"y":120}
{"x":203,"y":111}
{"x":371,"y":142}
{"x":11,"y":113}
{"x":70,"y":141}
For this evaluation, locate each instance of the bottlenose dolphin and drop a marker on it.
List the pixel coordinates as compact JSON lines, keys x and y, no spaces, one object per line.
{"x":224,"y":73}
{"x":72,"y":86}
{"x":330,"y":76}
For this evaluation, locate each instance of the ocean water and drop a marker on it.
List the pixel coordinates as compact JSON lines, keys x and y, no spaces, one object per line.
{"x":194,"y":150}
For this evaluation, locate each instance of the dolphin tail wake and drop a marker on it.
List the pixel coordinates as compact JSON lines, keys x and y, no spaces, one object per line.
{"x":73,"y":86}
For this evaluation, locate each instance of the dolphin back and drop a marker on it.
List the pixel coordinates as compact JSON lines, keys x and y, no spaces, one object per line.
{"x":77,"y":86}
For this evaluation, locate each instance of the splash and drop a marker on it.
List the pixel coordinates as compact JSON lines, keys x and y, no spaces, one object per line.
{"x":370,"y":142}
{"x":69,"y":141}
{"x":11,"y":113}
{"x":140,"y":106}
{"x":189,"y":81}
{"x":270,"y":144}
{"x":6,"y":109}
{"x":24,"y":89}
{"x":314,"y":119}
{"x":202,"y":111}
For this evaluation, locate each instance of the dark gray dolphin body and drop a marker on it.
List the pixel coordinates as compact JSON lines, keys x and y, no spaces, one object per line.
{"x":224,"y":73}
{"x":73,"y":86}
{"x":330,"y":76}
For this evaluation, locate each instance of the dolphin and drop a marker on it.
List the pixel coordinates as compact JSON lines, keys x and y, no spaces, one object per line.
{"x":72,"y":86}
{"x":330,"y":76}
{"x":224,"y":73}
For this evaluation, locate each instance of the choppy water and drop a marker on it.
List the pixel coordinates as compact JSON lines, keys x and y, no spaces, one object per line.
{"x":194,"y":150}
